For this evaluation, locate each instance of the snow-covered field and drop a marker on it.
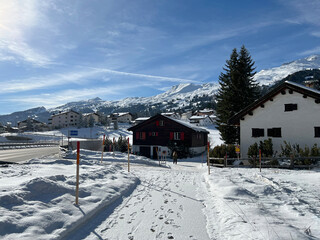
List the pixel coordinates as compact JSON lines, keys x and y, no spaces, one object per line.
{"x":155,"y":202}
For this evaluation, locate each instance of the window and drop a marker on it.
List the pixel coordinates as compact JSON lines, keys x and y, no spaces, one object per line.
{"x":160,"y":123}
{"x":257,"y":132}
{"x":317,"y":132}
{"x":274,"y":132}
{"x":177,"y":136}
{"x":290,"y":107}
{"x":141,"y":135}
{"x":154,"y":134}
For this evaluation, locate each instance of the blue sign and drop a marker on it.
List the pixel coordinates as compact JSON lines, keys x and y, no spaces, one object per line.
{"x":73,"y":132}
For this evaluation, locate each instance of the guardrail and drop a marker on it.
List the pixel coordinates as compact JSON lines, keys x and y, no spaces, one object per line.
{"x":4,"y":146}
{"x":274,"y":162}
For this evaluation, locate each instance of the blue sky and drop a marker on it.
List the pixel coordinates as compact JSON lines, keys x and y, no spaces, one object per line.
{"x":56,"y":51}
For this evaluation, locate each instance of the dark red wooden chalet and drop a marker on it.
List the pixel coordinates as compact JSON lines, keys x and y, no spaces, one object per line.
{"x":155,"y":134}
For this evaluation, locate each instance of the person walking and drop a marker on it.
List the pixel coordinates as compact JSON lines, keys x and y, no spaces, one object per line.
{"x":175,"y":157}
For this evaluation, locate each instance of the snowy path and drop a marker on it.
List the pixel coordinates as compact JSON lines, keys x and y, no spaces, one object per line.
{"x":163,"y":206}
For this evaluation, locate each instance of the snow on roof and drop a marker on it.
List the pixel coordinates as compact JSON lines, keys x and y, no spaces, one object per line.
{"x":206,"y":110}
{"x":198,"y":117}
{"x":142,"y":118}
{"x":189,"y":125}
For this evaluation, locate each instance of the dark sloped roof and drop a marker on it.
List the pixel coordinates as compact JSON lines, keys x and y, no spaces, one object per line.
{"x":185,"y":124}
{"x":235,"y":120}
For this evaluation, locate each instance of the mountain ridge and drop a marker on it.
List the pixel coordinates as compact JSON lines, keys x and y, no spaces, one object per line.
{"x":185,"y":96}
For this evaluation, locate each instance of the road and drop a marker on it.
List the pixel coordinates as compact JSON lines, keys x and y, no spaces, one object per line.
{"x":165,"y":205}
{"x":21,"y":155}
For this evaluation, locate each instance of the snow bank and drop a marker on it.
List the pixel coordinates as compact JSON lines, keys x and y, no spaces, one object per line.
{"x":37,"y":199}
{"x":274,"y":204}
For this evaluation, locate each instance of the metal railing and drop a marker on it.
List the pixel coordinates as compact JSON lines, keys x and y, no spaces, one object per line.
{"x":4,"y":146}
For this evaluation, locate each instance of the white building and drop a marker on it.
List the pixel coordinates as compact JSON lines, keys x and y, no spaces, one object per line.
{"x":290,"y":112}
{"x":122,"y":117}
{"x":65,"y":119}
{"x":95,"y":116}
{"x":203,"y":120}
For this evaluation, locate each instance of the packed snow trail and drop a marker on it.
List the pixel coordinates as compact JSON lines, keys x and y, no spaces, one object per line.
{"x":163,"y":206}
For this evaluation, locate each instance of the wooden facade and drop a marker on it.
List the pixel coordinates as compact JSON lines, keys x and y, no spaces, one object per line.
{"x":158,"y":131}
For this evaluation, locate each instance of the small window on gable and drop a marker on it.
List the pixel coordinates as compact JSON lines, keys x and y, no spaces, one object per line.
{"x":290,"y":107}
{"x":161,"y":123}
{"x":257,"y":132}
{"x":274,"y":132}
{"x":317,"y":132}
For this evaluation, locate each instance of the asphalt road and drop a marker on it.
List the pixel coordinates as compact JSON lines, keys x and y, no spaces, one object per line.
{"x":21,"y":155}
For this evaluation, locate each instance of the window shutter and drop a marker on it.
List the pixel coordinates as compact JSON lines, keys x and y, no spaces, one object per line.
{"x":157,"y":123}
{"x":182,"y":136}
{"x":137,"y":135}
{"x":157,"y":134}
{"x":143,"y":135}
{"x":150,"y":133}
{"x":171,"y":135}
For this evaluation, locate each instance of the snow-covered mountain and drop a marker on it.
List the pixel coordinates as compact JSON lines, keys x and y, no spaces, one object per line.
{"x":182,"y":96}
{"x":269,"y":76}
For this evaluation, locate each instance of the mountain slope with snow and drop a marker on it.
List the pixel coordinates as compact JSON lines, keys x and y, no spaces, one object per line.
{"x":186,"y":96}
{"x":270,"y":76}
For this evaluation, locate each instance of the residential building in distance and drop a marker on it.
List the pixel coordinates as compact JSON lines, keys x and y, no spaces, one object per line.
{"x":94,"y":116}
{"x":290,"y":112}
{"x":154,"y":136}
{"x":121,"y":117}
{"x":65,"y":119}
{"x":203,"y":120}
{"x":32,"y":125}
{"x":204,"y":112}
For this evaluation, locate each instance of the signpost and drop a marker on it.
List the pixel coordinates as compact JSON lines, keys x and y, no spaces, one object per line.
{"x":73,"y":133}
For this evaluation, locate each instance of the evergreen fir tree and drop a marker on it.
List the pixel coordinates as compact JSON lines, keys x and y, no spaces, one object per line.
{"x":237,"y":90}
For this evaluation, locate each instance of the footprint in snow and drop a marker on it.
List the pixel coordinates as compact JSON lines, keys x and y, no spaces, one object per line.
{"x":170,"y":236}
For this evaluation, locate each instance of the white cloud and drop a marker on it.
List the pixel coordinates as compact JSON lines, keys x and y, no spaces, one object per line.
{"x":18,"y":20}
{"x":315,"y":34}
{"x":62,"y":97}
{"x":315,"y":50}
{"x":82,"y":77}
{"x":308,"y":11}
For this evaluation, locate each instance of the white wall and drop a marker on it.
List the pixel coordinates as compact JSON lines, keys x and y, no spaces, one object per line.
{"x":297,"y":127}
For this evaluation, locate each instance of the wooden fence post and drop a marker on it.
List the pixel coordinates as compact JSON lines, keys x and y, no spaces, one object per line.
{"x":104,"y":136}
{"x":208,"y":158}
{"x":128,"y":156}
{"x":77,"y":174}
{"x":225,"y":160}
{"x":260,"y":158}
